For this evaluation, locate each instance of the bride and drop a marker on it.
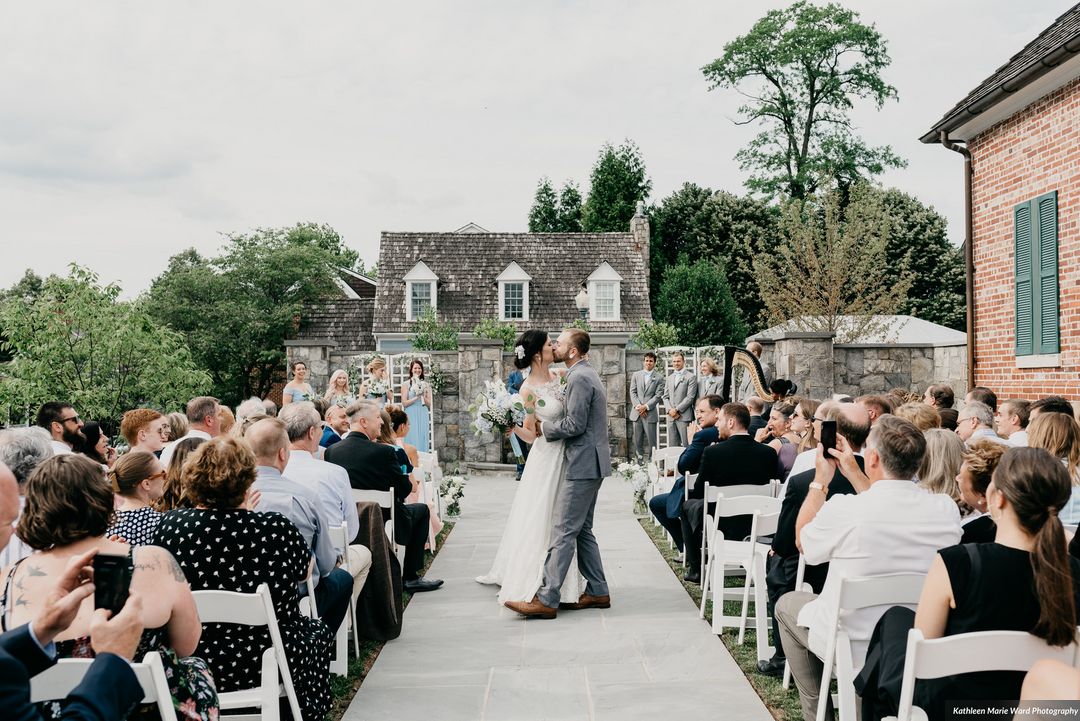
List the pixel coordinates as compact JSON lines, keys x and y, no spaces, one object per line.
{"x":519,"y":562}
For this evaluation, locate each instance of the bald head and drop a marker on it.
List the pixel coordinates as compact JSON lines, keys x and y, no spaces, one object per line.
{"x":9,"y":504}
{"x":852,"y":422}
{"x":269,"y":442}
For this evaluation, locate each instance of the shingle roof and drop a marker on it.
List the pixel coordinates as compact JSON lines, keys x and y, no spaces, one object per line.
{"x":1053,"y":45}
{"x":468,"y":264}
{"x":346,"y":322}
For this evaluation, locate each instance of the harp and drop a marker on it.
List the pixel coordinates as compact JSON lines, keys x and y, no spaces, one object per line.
{"x":735,"y":356}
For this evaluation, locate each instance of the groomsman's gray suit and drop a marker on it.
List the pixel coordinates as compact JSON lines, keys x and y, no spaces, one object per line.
{"x":646,"y":389}
{"x":588,"y":463}
{"x":680,"y":393}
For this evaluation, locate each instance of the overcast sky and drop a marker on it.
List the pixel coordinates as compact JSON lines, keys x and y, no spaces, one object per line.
{"x":132,"y":130}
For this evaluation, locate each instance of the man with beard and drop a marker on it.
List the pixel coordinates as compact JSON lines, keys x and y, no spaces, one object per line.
{"x":61,"y":421}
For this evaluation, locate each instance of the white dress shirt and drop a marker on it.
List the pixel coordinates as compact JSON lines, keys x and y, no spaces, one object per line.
{"x":892,"y":527}
{"x":1020,"y":438}
{"x":987,"y":434}
{"x":331,"y":483}
{"x":59,"y":448}
{"x":170,"y":448}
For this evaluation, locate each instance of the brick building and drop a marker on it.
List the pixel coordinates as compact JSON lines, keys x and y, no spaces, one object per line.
{"x":1019,"y":132}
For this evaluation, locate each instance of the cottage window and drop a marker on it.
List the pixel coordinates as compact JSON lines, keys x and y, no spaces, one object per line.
{"x":605,"y":286}
{"x":421,"y":291}
{"x":1036,"y":240}
{"x":420,"y":299}
{"x":513,"y":293}
{"x":605,"y":300}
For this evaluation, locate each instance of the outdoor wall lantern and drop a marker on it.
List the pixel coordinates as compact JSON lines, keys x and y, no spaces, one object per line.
{"x":582,"y":302}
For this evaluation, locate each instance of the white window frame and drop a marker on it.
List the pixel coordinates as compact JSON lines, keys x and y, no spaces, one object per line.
{"x":420,"y":274}
{"x":607,"y":277}
{"x":513,"y":273}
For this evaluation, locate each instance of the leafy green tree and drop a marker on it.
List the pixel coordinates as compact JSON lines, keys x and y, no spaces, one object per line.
{"x":430,"y":333}
{"x":570,"y":210}
{"x":697,"y":300}
{"x":544,"y":214}
{"x":829,"y":270}
{"x":76,"y":341}
{"x":617,"y":182}
{"x":652,"y":335}
{"x":495,"y":330}
{"x":28,"y":288}
{"x":801,"y":69}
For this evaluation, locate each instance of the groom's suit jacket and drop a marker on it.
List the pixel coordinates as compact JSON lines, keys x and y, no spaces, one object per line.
{"x":584,"y":427}
{"x":646,"y":389}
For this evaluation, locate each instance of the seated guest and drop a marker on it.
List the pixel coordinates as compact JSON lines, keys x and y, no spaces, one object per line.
{"x":251,"y":407}
{"x":270,"y":550}
{"x":172,"y":493}
{"x":941,"y":464}
{"x":400,"y":425}
{"x":1050,"y":404}
{"x":178,"y":426}
{"x":145,"y":430}
{"x":939,"y":396}
{"x":889,"y":526}
{"x":972,"y":480}
{"x":984,"y":395}
{"x":802,"y":424}
{"x":270,"y":408}
{"x":1059,"y":434}
{"x":203,"y":422}
{"x":667,"y":507}
{"x":95,"y":445}
{"x":373,"y":466}
{"x":139,"y":480}
{"x":976,"y":423}
{"x":779,"y":436}
{"x":852,"y":427}
{"x":876,"y":406}
{"x":69,"y":506}
{"x":756,"y":406}
{"x":736,"y":460}
{"x":301,"y":505}
{"x":329,"y":482}
{"x":805,"y":460}
{"x":21,"y":450}
{"x":1024,"y":581}
{"x":920,"y":415}
{"x":1049,"y":680}
{"x":335,"y":427}
{"x":949,"y":418}
{"x":1012,"y":421}
{"x":63,"y":424}
{"x":226,"y":419}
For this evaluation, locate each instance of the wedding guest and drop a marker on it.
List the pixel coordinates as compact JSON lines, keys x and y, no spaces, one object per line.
{"x":680,"y":392}
{"x":1049,"y":680}
{"x":1012,"y":419}
{"x":399,"y":425}
{"x":780,"y":389}
{"x":646,"y":390}
{"x":69,"y":505}
{"x":1051,"y":404}
{"x":939,"y":395}
{"x":803,"y":424}
{"x":1059,"y":434}
{"x":138,"y":478}
{"x":941,"y":464}
{"x":709,"y":382}
{"x":416,"y":399}
{"x":1023,"y":581}
{"x":949,"y":418}
{"x":270,"y":550}
{"x":251,"y":407}
{"x":972,"y":480}
{"x":178,"y":426}
{"x":805,"y":460}
{"x":226,"y":419}
{"x":172,"y":494}
{"x":984,"y":395}
{"x":900,"y":396}
{"x":923,"y":416}
{"x":876,"y":406}
{"x":145,"y":430}
{"x":779,"y":436}
{"x":62,"y":423}
{"x":376,"y":387}
{"x":96,"y":445}
{"x":298,"y":389}
{"x":270,"y":408}
{"x":21,"y":451}
{"x":338,"y":392}
{"x":758,"y":420}
{"x":202,"y":418}
{"x":335,"y":426}
{"x":976,"y":423}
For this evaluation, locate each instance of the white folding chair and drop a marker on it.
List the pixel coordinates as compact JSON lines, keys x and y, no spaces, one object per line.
{"x":970,"y":653}
{"x":339,"y":538}
{"x":747,"y":555}
{"x":385,"y":499}
{"x":708,"y":522}
{"x":800,"y":574}
{"x":429,"y":466}
{"x":689,"y":482}
{"x":663,"y":461}
{"x":253,"y":609}
{"x":58,"y":681}
{"x":892,"y":589}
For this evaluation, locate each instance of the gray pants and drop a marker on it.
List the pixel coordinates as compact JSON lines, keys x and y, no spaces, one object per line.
{"x":571,"y":530}
{"x":676,"y":433}
{"x":644,"y":438}
{"x":806,"y":667}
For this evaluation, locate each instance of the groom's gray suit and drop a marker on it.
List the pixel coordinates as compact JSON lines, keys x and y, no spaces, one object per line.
{"x":588,"y":463}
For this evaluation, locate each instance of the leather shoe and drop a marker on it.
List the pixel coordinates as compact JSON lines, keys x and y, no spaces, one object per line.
{"x":419,"y":585}
{"x":771,"y":668}
{"x":587,"y":601}
{"x":532,"y":609}
{"x":692,"y":577}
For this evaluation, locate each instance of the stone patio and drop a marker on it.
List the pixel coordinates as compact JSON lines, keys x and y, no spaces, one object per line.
{"x":463,"y":657}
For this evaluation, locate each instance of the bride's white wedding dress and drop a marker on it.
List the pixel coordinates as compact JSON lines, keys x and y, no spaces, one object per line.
{"x":519,"y":562}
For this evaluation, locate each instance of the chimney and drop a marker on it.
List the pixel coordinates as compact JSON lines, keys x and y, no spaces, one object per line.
{"x":639,"y":228}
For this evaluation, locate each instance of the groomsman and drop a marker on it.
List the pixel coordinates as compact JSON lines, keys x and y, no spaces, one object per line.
{"x":680,"y":392}
{"x":646,"y":389}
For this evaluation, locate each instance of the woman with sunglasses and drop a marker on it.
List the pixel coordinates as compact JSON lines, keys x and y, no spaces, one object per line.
{"x":138,"y":479}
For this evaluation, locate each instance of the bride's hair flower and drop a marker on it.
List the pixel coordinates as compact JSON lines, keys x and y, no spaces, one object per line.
{"x":519,"y":351}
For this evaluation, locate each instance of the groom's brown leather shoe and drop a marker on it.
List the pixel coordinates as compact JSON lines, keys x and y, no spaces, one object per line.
{"x":532,"y":609}
{"x":587,"y":601}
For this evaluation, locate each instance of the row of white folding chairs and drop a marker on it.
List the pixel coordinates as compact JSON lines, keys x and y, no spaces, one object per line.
{"x":55,"y":683}
{"x":339,"y":664}
{"x":430,"y":479}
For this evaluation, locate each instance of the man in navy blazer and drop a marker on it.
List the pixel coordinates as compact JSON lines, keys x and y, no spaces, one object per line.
{"x":667,"y":506}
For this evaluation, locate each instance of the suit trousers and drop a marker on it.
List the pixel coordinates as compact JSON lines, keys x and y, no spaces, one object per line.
{"x":806,"y":667}
{"x":411,"y":531}
{"x":677,"y":433}
{"x":571,"y":531}
{"x":644,"y":438}
{"x":779,"y":579}
{"x":658,"y":505}
{"x":332,"y":596}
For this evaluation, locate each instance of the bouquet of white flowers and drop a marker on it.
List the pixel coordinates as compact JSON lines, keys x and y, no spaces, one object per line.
{"x":496,"y":409}
{"x":376,"y":387}
{"x":636,"y":476}
{"x":452,"y":489}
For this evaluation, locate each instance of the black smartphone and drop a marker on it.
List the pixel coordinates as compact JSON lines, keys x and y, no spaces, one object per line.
{"x":112,"y":578}
{"x":828,"y":436}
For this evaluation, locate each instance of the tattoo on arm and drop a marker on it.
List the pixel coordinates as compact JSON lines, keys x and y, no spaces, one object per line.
{"x":32,"y":571}
{"x":177,"y":572}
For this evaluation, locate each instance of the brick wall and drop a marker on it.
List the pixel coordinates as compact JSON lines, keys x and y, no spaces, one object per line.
{"x":1034,"y":152}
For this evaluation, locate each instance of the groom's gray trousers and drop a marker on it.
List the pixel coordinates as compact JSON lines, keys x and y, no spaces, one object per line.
{"x":571,"y":531}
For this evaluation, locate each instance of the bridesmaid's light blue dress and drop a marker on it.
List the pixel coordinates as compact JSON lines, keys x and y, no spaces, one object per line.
{"x":419,"y":421}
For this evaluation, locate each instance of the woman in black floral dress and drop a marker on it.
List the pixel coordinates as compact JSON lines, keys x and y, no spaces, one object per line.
{"x":139,"y":479}
{"x":219,"y":544}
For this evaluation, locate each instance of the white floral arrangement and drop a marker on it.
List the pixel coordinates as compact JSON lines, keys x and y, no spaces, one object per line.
{"x":636,"y":476}
{"x":495,"y":409}
{"x":377,"y":387}
{"x":452,"y":489}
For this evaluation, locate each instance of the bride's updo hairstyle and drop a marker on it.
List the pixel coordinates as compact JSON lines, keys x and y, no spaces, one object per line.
{"x":528,"y":345}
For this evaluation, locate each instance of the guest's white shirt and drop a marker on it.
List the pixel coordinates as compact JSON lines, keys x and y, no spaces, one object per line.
{"x":1020,"y":438}
{"x":170,"y":448}
{"x":331,"y":483}
{"x":987,"y":434}
{"x":892,"y":527}
{"x":59,"y":448}
{"x":16,"y":550}
{"x":803,"y":462}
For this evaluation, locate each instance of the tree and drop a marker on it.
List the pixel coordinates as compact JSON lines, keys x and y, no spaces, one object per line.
{"x":697,"y":300}
{"x":570,"y":211}
{"x":652,"y":335}
{"x":830,"y":263}
{"x":617,"y":182}
{"x":810,"y":64}
{"x":77,"y":342}
{"x":544,"y":214}
{"x":429,"y":333}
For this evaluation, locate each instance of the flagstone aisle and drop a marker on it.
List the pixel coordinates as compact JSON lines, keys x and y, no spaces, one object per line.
{"x":461,"y":656}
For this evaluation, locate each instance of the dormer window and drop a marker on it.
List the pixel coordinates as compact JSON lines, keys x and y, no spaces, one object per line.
{"x":513,"y":293}
{"x":421,"y":286}
{"x":605,"y":286}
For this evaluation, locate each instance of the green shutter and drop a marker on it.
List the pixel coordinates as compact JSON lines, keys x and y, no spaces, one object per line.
{"x":1024,"y":301}
{"x":1047,"y":332}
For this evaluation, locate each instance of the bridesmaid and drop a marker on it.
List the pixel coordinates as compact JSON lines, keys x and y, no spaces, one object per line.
{"x":416,"y":398}
{"x":710,"y":380}
{"x":377,"y":386}
{"x":337,"y":391}
{"x":298,"y":389}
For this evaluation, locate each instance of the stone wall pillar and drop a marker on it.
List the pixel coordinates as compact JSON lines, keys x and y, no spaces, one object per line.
{"x":806,"y":359}
{"x":479,"y":360}
{"x":315,"y":353}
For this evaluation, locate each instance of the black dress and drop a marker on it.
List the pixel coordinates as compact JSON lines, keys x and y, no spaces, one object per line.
{"x":979,"y":530}
{"x":979,"y":574}
{"x":236,"y":550}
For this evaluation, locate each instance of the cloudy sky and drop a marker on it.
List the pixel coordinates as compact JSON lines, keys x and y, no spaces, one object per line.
{"x":132,"y":130}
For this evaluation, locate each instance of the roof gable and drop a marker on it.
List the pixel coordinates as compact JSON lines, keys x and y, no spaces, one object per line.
{"x":513,"y":272}
{"x":604,"y":271}
{"x":421,"y":272}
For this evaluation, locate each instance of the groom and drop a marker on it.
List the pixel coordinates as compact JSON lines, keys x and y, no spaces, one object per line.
{"x":588,"y":462}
